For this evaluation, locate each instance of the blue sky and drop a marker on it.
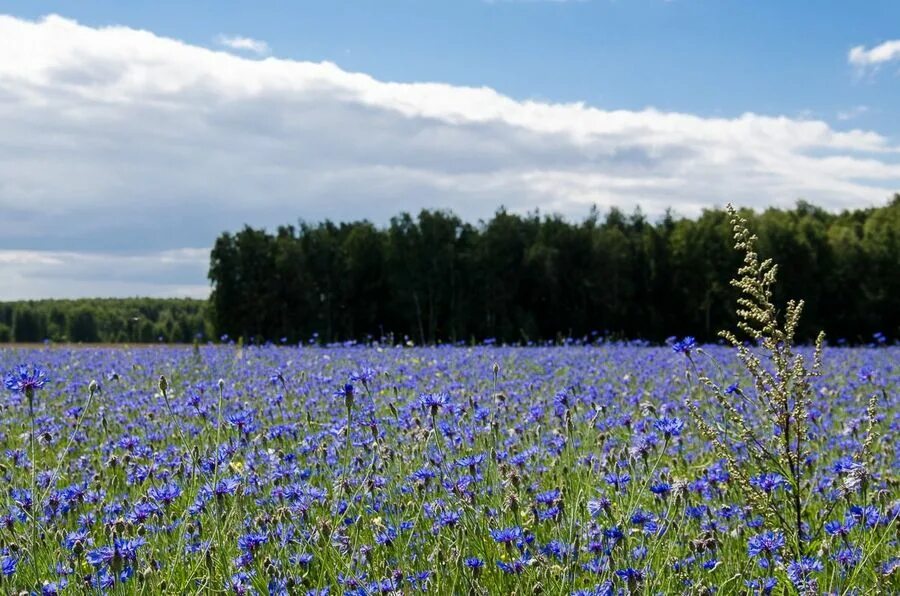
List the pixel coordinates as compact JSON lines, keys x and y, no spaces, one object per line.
{"x":134,"y":133}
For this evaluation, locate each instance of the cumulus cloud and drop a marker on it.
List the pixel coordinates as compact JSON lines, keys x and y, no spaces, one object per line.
{"x":116,"y":141}
{"x":248,"y":44}
{"x":886,"y":52}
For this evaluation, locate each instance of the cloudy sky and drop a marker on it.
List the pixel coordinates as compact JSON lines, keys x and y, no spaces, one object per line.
{"x":132,"y":134}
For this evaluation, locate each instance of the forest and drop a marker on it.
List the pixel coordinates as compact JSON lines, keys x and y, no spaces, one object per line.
{"x":105,"y":320}
{"x":521,"y":279}
{"x":531,"y":278}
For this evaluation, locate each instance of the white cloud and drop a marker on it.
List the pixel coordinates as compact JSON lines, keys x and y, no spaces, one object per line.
{"x":877,"y":55}
{"x":114,"y":140}
{"x":247,"y":44}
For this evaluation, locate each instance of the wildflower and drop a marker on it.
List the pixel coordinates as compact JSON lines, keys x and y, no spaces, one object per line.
{"x":515,"y":567}
{"x":766,"y":545}
{"x":661,"y":489}
{"x":632,"y":576}
{"x":507,"y":535}
{"x":248,"y":543}
{"x":761,"y":587}
{"x":345,"y":391}
{"x":838,"y":528}
{"x":165,"y":494}
{"x":866,"y":374}
{"x":669,"y":427}
{"x":597,"y":506}
{"x":619,"y":481}
{"x":768,"y":482}
{"x":8,"y":565}
{"x":800,"y":573}
{"x":684,"y":346}
{"x":433,"y":402}
{"x":26,"y":382}
{"x":365,"y":375}
{"x":848,"y":557}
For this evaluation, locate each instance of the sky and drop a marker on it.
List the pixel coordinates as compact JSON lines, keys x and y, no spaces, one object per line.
{"x":133,"y":133}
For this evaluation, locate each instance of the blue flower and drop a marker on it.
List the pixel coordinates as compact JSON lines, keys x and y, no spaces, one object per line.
{"x":684,"y":346}
{"x":838,"y":528}
{"x":8,"y":565}
{"x":433,"y":401}
{"x":669,"y":426}
{"x":24,"y":381}
{"x":250,"y":542}
{"x":474,"y":563}
{"x":768,"y":482}
{"x":507,"y":535}
{"x":165,"y":494}
{"x":766,"y":544}
{"x":800,"y":573}
{"x":761,"y":587}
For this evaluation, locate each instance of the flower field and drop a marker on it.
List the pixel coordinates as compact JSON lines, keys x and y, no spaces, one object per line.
{"x":487,"y":470}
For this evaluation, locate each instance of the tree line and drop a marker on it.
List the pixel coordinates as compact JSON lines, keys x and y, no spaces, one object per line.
{"x":106,"y":320}
{"x":531,"y":278}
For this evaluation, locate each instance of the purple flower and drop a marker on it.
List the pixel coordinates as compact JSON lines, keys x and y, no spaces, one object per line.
{"x":669,"y":426}
{"x":766,"y":545}
{"x":8,"y":565}
{"x":24,"y":381}
{"x":684,"y":346}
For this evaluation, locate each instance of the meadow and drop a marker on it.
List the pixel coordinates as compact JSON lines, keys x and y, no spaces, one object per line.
{"x":486,"y":470}
{"x":754,"y":466}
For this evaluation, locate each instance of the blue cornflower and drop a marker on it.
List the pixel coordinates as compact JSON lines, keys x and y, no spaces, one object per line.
{"x":471,"y":462}
{"x":507,"y":535}
{"x":800,"y":573}
{"x":128,"y":547}
{"x":515,"y":567}
{"x":761,"y":587}
{"x":768,"y":482}
{"x":614,"y":534}
{"x":226,"y":486}
{"x":836,"y":527}
{"x":76,"y":541}
{"x":449,"y":518}
{"x":102,"y":556}
{"x":597,"y":506}
{"x":669,"y":426}
{"x":433,"y":402}
{"x":619,"y":481}
{"x":8,"y":565}
{"x":386,"y":537}
{"x":248,"y":543}
{"x":684,"y":346}
{"x":365,"y":375}
{"x":549,"y":497}
{"x":848,"y":557}
{"x":733,"y":388}
{"x":866,"y":374}
{"x":474,"y":563}
{"x":631,"y":575}
{"x":24,"y":381}
{"x":165,"y":494}
{"x":661,"y":489}
{"x":766,"y":544}
{"x":345,"y":391}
